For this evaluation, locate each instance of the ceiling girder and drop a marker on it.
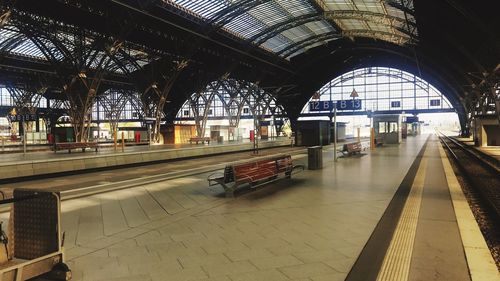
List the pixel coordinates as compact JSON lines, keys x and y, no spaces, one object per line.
{"x":382,"y":35}
{"x":401,"y":5}
{"x":226,"y":15}
{"x":366,"y":16}
{"x":291,"y":49}
{"x":276,"y":29}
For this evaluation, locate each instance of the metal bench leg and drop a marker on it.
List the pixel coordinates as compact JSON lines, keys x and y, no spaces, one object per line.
{"x":229,"y":190}
{"x":229,"y":193}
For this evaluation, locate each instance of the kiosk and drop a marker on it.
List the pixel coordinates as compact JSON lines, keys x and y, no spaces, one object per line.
{"x":387,"y":128}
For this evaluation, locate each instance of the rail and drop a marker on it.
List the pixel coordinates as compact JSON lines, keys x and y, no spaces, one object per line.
{"x":482,"y":175}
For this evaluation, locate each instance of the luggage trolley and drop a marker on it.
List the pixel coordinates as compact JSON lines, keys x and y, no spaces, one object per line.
{"x":34,"y":244}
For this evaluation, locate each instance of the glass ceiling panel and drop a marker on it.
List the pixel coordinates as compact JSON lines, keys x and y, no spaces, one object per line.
{"x":12,"y":41}
{"x":283,"y":23}
{"x":371,"y":15}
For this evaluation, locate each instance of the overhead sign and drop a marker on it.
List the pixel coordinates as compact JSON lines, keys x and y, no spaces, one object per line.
{"x":435,"y":102}
{"x":349,"y":104}
{"x":22,"y":117}
{"x":279,"y":122}
{"x":395,"y":104}
{"x":329,"y":105}
{"x":411,"y":119}
{"x":324,"y":105}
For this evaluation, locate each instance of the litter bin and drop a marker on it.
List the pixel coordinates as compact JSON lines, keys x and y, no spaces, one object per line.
{"x":315,"y":157}
{"x":220,"y":139}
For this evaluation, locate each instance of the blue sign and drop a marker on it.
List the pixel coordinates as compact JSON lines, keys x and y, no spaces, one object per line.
{"x":324,"y":105}
{"x":349,"y":105}
{"x":411,"y":119}
{"x":328,"y":105}
{"x":264,"y":123}
{"x":395,"y":104}
{"x":435,"y":102}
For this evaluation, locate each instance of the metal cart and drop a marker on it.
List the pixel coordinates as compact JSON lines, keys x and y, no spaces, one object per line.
{"x":34,"y":244}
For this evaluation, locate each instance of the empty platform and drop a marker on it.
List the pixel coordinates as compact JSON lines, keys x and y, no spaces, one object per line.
{"x":339,"y":223}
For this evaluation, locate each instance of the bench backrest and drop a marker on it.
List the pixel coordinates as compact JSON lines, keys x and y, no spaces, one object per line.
{"x":353,"y":147}
{"x":260,"y":168}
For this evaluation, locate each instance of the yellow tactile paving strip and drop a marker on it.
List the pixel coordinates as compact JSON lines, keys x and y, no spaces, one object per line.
{"x":479,"y":259}
{"x":396,"y":265}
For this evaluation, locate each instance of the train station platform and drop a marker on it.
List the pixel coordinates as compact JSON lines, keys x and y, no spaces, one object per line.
{"x":395,"y":213}
{"x":492,"y":151}
{"x":32,"y":164}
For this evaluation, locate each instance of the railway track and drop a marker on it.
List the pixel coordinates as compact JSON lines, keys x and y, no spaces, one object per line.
{"x":479,"y":176}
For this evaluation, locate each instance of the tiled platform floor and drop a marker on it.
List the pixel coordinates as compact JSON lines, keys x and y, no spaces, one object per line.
{"x":309,"y":228}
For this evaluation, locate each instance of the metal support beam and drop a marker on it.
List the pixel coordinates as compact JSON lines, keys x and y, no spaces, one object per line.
{"x":377,"y":34}
{"x":292,"y":48}
{"x":276,"y":29}
{"x":232,"y":11}
{"x":366,"y":16}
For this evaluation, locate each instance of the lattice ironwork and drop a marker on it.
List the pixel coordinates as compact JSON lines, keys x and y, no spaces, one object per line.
{"x":226,"y":98}
{"x":154,"y":97}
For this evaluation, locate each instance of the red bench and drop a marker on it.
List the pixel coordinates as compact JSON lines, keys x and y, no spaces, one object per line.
{"x":199,"y":139}
{"x":352,"y":148}
{"x":254,"y":173}
{"x":74,"y":145}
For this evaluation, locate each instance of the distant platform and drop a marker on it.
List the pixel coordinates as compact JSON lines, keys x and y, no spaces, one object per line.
{"x":45,"y":163}
{"x":493,"y":151}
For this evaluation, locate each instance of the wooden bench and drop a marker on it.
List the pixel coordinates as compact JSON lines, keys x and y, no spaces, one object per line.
{"x":199,"y":139}
{"x":352,"y":148}
{"x":74,"y":145}
{"x":254,"y":173}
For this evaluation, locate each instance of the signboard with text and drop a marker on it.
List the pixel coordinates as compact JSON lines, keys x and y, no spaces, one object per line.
{"x":341,"y":105}
{"x":22,"y":117}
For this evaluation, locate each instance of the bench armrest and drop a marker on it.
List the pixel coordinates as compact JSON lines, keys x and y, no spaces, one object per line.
{"x":215,"y":178}
{"x":299,"y":168}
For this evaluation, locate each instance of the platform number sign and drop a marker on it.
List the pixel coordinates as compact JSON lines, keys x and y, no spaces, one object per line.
{"x":22,"y":117}
{"x":435,"y":102}
{"x":395,"y":104}
{"x":324,"y":105}
{"x":341,"y":105}
{"x":349,"y":104}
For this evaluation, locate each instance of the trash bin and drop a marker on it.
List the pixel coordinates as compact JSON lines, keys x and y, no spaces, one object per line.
{"x":315,"y":157}
{"x":220,"y":139}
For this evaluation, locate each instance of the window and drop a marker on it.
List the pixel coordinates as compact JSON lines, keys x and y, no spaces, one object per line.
{"x":393,"y":127}
{"x":186,"y":113}
{"x":382,"y":127}
{"x":382,"y":89}
{"x":245,"y":110}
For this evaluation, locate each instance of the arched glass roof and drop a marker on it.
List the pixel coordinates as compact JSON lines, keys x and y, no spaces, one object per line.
{"x":290,"y":27}
{"x":381,"y":89}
